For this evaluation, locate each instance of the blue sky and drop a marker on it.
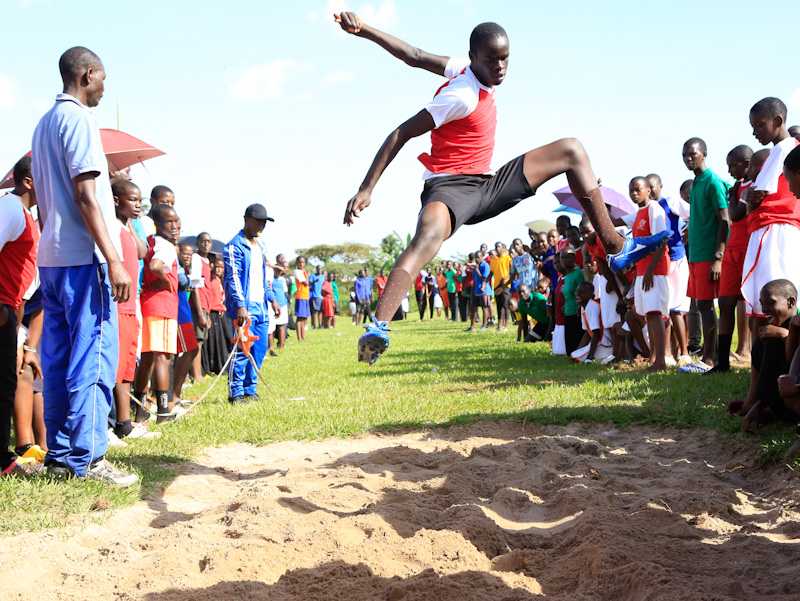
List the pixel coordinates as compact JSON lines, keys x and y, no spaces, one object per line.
{"x":273,"y":103}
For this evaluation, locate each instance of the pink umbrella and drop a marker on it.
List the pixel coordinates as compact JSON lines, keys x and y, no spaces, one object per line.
{"x":618,"y":204}
{"x":122,"y":149}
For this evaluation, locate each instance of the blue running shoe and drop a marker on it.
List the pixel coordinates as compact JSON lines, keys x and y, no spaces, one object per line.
{"x":374,"y":341}
{"x":634,"y":250}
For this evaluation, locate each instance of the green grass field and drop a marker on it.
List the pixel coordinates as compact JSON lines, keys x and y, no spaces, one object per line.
{"x":434,"y":375}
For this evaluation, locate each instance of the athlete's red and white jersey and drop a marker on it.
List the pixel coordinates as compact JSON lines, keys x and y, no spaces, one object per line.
{"x":465,"y":116}
{"x":780,"y":205}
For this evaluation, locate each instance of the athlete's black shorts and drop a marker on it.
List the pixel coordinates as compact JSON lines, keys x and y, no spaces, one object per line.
{"x":475,"y":198}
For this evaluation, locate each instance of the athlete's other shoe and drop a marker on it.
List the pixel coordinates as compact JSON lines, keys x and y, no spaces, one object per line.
{"x":374,"y":341}
{"x":634,"y":250}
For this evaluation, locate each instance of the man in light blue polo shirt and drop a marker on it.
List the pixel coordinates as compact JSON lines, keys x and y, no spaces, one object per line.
{"x":81,"y":273}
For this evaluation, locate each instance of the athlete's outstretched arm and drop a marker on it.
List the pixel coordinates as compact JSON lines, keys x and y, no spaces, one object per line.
{"x":410,"y":55}
{"x":419,"y":124}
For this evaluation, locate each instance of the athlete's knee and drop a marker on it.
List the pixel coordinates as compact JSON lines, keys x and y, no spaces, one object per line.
{"x":572,"y":150}
{"x":428,"y":239}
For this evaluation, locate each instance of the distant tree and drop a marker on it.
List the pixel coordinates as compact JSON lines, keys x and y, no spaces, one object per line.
{"x":346,"y":258}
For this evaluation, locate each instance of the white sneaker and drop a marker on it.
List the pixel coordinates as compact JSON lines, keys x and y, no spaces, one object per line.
{"x":102,"y":471}
{"x":141,"y":431}
{"x":607,"y":360}
{"x":670,"y":361}
{"x":114,"y":441}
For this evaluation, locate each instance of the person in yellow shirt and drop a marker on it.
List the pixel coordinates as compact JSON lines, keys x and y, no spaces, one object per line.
{"x":500,"y":268}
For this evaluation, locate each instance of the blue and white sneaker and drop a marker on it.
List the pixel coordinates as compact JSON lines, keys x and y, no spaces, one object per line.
{"x":374,"y":341}
{"x":634,"y":250}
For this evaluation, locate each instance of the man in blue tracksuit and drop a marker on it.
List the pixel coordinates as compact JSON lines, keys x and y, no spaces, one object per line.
{"x":246,"y":296}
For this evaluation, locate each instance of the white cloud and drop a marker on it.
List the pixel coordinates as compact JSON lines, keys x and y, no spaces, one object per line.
{"x":331,"y":79}
{"x":336,"y":78}
{"x":794,"y":99}
{"x":467,"y":6}
{"x":334,"y":6}
{"x":8,"y":92}
{"x":382,"y":16}
{"x":266,"y":82}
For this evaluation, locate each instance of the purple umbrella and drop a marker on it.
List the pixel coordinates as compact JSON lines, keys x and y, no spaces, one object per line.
{"x":618,"y":204}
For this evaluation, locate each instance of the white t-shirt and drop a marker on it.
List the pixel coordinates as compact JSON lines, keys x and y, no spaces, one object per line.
{"x":66,"y":143}
{"x":12,"y":218}
{"x":591,"y":320}
{"x":196,"y":277}
{"x":148,"y":225}
{"x":163,"y":250}
{"x":256,"y":274}
{"x":678,"y":206}
{"x":772,"y":170}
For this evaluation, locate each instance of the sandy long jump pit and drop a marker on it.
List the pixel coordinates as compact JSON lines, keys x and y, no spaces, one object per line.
{"x":497,"y":511}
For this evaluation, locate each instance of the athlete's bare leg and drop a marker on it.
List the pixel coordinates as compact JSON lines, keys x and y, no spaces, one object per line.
{"x":433,"y":228}
{"x":568,"y":156}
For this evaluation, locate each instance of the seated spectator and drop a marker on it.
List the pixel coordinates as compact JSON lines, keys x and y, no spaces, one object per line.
{"x":596,"y":343}
{"x":778,"y":300}
{"x":532,"y":305}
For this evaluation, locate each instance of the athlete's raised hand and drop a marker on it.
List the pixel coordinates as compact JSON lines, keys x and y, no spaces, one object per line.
{"x":358,"y":203}
{"x":350,"y":22}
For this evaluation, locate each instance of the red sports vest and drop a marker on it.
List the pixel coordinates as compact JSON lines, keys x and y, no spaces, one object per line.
{"x":464,"y":145}
{"x":18,"y":264}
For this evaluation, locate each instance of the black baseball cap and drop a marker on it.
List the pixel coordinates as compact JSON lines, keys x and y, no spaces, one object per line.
{"x":257,"y":211}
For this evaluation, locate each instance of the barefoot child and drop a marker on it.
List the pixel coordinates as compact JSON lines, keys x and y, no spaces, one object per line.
{"x":651,"y":289}
{"x":159,"y":312}
{"x":462,"y":119}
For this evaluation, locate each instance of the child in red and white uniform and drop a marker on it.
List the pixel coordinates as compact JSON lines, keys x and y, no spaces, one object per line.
{"x":159,"y":301}
{"x":651,"y":289}
{"x":127,"y":200}
{"x":596,"y":342}
{"x":774,"y":219}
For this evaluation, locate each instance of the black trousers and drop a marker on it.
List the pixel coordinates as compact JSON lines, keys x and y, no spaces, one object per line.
{"x":463,"y":306}
{"x":8,"y":385}
{"x":453,"y":298}
{"x":573,"y":332}
{"x":422,"y":301}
